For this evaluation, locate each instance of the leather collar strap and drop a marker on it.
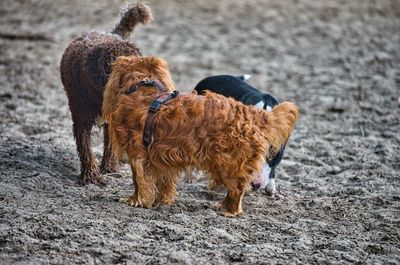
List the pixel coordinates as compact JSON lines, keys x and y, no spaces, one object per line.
{"x":147,"y":82}
{"x":148,"y":132}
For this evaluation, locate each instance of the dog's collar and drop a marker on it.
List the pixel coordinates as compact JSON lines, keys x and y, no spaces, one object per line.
{"x":147,"y":83}
{"x":148,"y":131}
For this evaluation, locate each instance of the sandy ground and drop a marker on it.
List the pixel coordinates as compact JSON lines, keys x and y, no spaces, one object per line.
{"x":338,"y":60}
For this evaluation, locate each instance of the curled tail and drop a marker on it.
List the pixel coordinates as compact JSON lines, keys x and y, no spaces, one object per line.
{"x":131,"y":16}
{"x":281,"y":122}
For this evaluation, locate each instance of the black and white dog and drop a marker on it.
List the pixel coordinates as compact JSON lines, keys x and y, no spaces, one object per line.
{"x":237,"y":88}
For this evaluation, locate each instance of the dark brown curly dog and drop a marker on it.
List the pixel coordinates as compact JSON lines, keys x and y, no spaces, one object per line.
{"x":85,"y":67}
{"x":224,"y":138}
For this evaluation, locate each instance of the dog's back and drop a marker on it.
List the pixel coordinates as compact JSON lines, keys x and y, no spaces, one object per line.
{"x":237,"y":88}
{"x":226,"y":85}
{"x":85,"y":67}
{"x":86,"y":62}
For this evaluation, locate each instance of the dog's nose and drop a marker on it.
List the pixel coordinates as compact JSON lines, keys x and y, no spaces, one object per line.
{"x":255,"y":186}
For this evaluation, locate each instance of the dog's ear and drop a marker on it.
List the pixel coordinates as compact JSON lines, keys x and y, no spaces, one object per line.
{"x":281,"y":121}
{"x":163,"y":73}
{"x":161,"y":70}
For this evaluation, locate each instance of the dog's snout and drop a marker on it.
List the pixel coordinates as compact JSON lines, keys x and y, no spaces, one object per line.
{"x":255,"y":186}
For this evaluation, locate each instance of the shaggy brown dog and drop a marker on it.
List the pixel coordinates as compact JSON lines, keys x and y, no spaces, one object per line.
{"x":224,"y":138}
{"x":85,"y":67}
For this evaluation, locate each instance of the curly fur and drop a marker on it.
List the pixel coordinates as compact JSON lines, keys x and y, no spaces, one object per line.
{"x":85,"y":67}
{"x":222,"y":137}
{"x":129,"y":70}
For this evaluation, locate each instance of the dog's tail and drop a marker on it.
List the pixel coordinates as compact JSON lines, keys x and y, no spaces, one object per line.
{"x":131,"y":16}
{"x":280,"y":124}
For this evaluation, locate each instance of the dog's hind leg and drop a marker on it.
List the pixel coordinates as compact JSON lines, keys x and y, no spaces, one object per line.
{"x":109,"y":163}
{"x":166,"y":188}
{"x":89,"y":170}
{"x":144,"y":195}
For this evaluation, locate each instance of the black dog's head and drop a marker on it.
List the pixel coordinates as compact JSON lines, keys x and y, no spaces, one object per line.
{"x":267,"y":173}
{"x":259,"y":100}
{"x":269,"y":102}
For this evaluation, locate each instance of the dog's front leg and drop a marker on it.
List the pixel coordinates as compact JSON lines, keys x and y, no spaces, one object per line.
{"x":144,"y":195}
{"x":233,"y":200}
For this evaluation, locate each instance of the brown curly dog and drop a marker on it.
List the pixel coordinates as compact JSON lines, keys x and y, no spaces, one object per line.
{"x":85,"y":67}
{"x":222,"y":137}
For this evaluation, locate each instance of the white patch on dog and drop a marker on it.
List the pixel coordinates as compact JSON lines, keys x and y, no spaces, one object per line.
{"x":271,"y":189}
{"x":246,"y":77}
{"x":268,"y":108}
{"x":265,"y":180}
{"x":261,"y":179}
{"x":259,"y":105}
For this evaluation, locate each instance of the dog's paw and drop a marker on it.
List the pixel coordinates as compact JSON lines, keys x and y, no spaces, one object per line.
{"x":109,"y":169}
{"x":227,"y":213}
{"x":276,"y":196}
{"x":270,"y":190}
{"x":217,"y":206}
{"x":272,"y":193}
{"x":135,"y":201}
{"x":166,"y":201}
{"x":131,"y":201}
{"x":93,"y":178}
{"x":231,"y":214}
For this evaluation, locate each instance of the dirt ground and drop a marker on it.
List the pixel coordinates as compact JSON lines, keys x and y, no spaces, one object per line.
{"x":338,"y":60}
